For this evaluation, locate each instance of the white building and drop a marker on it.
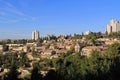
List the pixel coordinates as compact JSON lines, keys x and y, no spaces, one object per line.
{"x":1,"y":47}
{"x":87,"y":32}
{"x":35,"y":35}
{"x":77,"y":48}
{"x":113,"y":26}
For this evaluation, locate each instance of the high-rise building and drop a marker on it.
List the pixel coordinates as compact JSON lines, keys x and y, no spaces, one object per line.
{"x":113,"y":26}
{"x":35,"y":35}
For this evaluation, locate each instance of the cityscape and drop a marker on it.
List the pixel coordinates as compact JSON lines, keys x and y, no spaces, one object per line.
{"x":65,"y":45}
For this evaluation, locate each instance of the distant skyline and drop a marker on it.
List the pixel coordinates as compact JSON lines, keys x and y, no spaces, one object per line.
{"x":18,"y":18}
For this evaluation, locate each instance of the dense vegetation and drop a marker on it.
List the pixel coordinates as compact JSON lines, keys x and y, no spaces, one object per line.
{"x":96,"y":67}
{"x":68,"y":66}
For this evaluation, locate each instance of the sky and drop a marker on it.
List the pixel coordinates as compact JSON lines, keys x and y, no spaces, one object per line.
{"x":18,"y":18}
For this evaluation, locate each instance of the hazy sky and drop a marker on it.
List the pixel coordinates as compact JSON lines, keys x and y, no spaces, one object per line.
{"x":18,"y":18}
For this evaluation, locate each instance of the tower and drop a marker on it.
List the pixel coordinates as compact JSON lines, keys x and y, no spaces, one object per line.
{"x":113,"y":26}
{"x":35,"y":35}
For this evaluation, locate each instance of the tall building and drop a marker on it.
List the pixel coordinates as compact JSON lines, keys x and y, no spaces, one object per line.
{"x":35,"y":35}
{"x":113,"y":26}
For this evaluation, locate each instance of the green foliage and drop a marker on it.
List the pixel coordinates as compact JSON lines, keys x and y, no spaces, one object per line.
{"x":9,"y":41}
{"x":71,"y":67}
{"x":93,"y":41}
{"x":8,"y":59}
{"x":26,"y":77}
{"x":40,"y":40}
{"x":12,"y":74}
{"x":31,"y":41}
{"x":114,"y":35}
{"x":23,"y":59}
{"x":36,"y":75}
{"x":78,"y":36}
{"x":114,"y":50}
{"x":94,"y":35}
{"x":21,"y":41}
{"x":96,"y":67}
{"x":51,"y":75}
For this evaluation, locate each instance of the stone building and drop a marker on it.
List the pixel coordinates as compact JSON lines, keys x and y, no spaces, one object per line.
{"x":113,"y":26}
{"x":77,"y":48}
{"x":35,"y":35}
{"x":3,"y":48}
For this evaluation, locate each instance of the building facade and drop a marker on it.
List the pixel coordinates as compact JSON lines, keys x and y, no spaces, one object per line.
{"x":113,"y":26}
{"x":35,"y":35}
{"x":87,"y":32}
{"x":77,"y":48}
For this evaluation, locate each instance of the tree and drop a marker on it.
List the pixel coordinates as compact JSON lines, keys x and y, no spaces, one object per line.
{"x":12,"y":74}
{"x":93,"y":41}
{"x":23,"y":59}
{"x":114,"y":56}
{"x":36,"y":75}
{"x":51,"y":75}
{"x":114,"y":50}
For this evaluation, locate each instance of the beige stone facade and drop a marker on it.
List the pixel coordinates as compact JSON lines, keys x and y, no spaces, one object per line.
{"x":113,"y":26}
{"x":35,"y":35}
